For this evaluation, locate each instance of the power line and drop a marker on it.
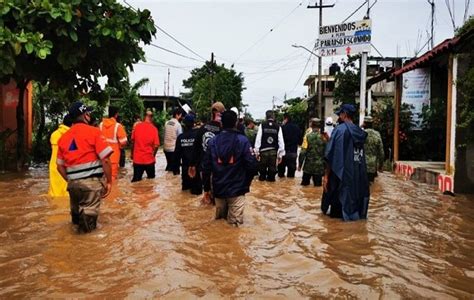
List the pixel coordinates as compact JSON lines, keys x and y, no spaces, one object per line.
{"x":355,"y":11}
{"x":282,"y":68}
{"x":170,"y":65}
{"x":266,"y":34}
{"x":302,"y":73}
{"x":377,"y":50}
{"x":169,"y":35}
{"x":175,"y":53}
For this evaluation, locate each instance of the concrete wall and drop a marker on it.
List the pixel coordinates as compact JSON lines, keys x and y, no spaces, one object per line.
{"x":8,"y":103}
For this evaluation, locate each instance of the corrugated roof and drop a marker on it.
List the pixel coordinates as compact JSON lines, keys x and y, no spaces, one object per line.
{"x":440,"y":49}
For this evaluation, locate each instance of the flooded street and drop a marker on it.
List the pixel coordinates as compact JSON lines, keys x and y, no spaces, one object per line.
{"x":156,"y":241}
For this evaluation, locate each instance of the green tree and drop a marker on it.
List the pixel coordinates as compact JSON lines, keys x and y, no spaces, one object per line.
{"x":68,"y":44}
{"x":297,"y":108}
{"x":465,"y":82}
{"x":384,"y":116}
{"x":129,"y":101}
{"x":347,"y":82}
{"x":211,"y":83}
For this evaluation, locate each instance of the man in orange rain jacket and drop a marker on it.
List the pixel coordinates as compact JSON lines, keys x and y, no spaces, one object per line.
{"x":115,"y":136}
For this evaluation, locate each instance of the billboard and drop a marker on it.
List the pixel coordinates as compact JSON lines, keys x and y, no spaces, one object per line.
{"x":416,"y":92}
{"x":345,"y":39}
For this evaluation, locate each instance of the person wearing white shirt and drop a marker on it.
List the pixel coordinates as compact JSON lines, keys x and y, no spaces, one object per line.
{"x":173,"y":128}
{"x":269,"y":147}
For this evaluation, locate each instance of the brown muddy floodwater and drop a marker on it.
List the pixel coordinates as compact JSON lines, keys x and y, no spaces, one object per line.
{"x":155,"y":241}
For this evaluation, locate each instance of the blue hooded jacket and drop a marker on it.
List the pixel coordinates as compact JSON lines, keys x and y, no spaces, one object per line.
{"x":230,"y":161}
{"x":348,"y":188}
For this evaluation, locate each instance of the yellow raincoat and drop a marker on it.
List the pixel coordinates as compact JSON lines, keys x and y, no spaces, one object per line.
{"x":57,"y":185}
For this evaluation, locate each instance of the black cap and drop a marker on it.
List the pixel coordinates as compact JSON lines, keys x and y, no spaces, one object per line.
{"x":78,"y":108}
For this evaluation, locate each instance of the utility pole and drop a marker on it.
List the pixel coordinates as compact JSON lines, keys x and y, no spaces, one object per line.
{"x":168,"y":90}
{"x":273,"y":103}
{"x":212,"y":77}
{"x":363,"y":77}
{"x":320,"y":59}
{"x":432,"y":3}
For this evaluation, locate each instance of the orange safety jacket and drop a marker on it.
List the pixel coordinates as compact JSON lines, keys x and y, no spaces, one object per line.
{"x":81,"y":150}
{"x":115,"y":136}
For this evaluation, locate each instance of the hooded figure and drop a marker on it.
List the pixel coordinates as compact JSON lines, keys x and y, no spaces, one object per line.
{"x":346,"y":187}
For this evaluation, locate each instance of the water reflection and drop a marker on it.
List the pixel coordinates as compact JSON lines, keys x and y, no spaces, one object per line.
{"x":156,"y":241}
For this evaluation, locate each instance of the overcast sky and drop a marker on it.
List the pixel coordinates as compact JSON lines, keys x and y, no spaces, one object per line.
{"x":240,"y":32}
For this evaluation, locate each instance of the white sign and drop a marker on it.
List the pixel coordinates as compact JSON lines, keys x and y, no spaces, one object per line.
{"x":345,"y":39}
{"x":416,"y":92}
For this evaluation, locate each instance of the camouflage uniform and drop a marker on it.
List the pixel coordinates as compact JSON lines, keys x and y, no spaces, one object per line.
{"x":374,"y":154}
{"x":312,"y":158}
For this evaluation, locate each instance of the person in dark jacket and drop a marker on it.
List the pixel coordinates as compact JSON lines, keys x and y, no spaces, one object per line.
{"x":346,"y":187}
{"x":203,"y":136}
{"x":232,"y":165}
{"x":293,"y":137}
{"x":183,"y":155}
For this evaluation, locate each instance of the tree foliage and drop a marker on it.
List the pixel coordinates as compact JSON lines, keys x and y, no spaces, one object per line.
{"x":128,"y":101}
{"x":466,"y":106}
{"x":297,"y":108}
{"x":384,"y":116}
{"x":211,"y":83}
{"x":466,"y":27}
{"x":465,"y":82}
{"x":347,"y":82}
{"x":69,"y":44}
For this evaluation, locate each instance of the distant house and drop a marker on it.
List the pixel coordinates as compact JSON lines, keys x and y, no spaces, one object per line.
{"x":375,"y":91}
{"x":164,"y":103}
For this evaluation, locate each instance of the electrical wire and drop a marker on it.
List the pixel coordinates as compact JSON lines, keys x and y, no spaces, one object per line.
{"x":355,"y":11}
{"x":170,"y":65}
{"x":448,"y":5}
{"x":267,"y":33}
{"x":377,"y":50}
{"x":302,"y":73}
{"x":169,"y":35}
{"x":175,"y":53}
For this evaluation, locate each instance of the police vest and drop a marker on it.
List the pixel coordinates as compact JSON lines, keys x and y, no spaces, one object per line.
{"x":269,"y":136}
{"x":212,"y":129}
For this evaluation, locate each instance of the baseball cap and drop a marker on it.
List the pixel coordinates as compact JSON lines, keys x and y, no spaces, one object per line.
{"x":78,"y":108}
{"x":189,"y":119}
{"x":218,"y":106}
{"x":346,"y":108}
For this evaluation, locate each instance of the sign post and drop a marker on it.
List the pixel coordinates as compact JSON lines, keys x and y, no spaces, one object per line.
{"x":363,"y":80}
{"x":345,"y":39}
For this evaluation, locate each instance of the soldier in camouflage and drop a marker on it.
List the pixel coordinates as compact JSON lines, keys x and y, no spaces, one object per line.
{"x":374,"y":154}
{"x":311,"y":157}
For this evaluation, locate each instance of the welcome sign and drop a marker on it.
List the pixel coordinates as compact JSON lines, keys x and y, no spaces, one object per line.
{"x":345,"y":38}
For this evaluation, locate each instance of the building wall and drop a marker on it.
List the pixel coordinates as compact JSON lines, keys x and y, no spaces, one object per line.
{"x":8,"y":102}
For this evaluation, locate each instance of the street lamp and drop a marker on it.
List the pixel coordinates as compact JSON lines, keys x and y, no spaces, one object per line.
{"x":299,"y":46}
{"x":320,"y":92}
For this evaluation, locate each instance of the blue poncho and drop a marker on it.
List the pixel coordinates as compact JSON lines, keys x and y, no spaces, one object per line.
{"x":348,"y":187}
